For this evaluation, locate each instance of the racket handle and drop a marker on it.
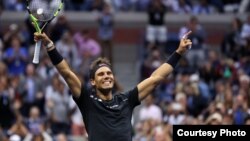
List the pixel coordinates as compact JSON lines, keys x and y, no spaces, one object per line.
{"x":37,"y":52}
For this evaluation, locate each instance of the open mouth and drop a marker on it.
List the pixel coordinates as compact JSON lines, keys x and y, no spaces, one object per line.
{"x":107,"y":82}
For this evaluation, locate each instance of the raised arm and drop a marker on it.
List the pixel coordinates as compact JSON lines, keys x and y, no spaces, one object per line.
{"x":148,"y":85}
{"x":61,"y":65}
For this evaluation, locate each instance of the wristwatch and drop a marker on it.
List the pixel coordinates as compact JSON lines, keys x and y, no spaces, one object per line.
{"x":49,"y":45}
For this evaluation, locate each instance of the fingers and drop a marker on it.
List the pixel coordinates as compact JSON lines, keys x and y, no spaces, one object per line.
{"x":188,"y":44}
{"x":36,"y":36}
{"x":42,"y":37}
{"x":39,"y":36}
{"x":185,"y":36}
{"x":187,"y":41}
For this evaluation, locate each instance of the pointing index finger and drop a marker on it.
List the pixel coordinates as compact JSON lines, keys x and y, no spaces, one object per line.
{"x":186,"y":34}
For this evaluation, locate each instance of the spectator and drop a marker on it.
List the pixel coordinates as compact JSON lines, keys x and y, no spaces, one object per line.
{"x":14,"y":5}
{"x":227,"y":119}
{"x":153,"y":60}
{"x":203,"y":7}
{"x":1,"y":7}
{"x":35,"y":121}
{"x":180,"y":6}
{"x":220,"y":92}
{"x":141,"y":5}
{"x":150,"y":111}
{"x":197,"y":102}
{"x":12,"y":31}
{"x":18,"y":129}
{"x":233,"y":41}
{"x":16,"y":57}
{"x":75,"y":5}
{"x":156,"y":31}
{"x":240,"y":108}
{"x":58,"y":111}
{"x":86,"y":44}
{"x":175,"y":115}
{"x":214,"y":119}
{"x":244,"y":82}
{"x":105,"y":31}
{"x":202,"y":86}
{"x":44,"y":136}
{"x":6,"y":106}
{"x":58,"y":28}
{"x":122,"y":5}
{"x":208,"y":73}
{"x":223,"y":74}
{"x":196,"y":56}
{"x":181,"y":99}
{"x":245,"y":30}
{"x":2,"y":136}
{"x":231,"y":6}
{"x":31,"y":90}
{"x":3,"y":69}
{"x":218,"y":5}
{"x":69,"y":49}
{"x":144,"y":131}
{"x":88,"y":48}
{"x":61,"y":137}
{"x":162,"y":132}
{"x":97,"y":5}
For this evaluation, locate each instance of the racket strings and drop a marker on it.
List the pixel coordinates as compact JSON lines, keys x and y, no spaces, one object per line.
{"x":44,"y":10}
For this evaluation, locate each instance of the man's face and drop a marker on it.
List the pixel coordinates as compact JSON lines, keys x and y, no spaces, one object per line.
{"x":104,"y":79}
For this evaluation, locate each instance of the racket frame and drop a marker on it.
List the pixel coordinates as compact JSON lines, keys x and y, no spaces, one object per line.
{"x":39,"y":29}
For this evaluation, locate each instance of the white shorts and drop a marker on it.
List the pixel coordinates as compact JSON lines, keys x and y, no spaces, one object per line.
{"x":156,"y":33}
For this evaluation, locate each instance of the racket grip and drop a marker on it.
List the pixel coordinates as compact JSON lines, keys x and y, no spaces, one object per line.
{"x":37,"y":52}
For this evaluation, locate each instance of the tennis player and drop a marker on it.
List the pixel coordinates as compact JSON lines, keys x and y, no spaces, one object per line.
{"x":107,"y":116}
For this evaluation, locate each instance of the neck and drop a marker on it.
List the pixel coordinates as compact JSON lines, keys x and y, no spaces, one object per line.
{"x":104,"y":94}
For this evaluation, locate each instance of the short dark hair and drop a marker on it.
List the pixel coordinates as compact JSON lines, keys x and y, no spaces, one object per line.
{"x":193,"y":19}
{"x":96,"y":64}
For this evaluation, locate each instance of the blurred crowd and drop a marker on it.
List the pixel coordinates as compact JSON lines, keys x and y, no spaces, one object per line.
{"x":209,"y":85}
{"x":175,"y":6}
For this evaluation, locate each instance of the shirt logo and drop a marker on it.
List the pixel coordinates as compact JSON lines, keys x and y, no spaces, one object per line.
{"x":108,"y":106}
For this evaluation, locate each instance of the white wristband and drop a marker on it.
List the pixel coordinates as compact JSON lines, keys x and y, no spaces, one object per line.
{"x":49,"y":45}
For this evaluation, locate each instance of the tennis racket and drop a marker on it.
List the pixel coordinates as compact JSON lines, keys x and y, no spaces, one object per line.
{"x":41,"y":12}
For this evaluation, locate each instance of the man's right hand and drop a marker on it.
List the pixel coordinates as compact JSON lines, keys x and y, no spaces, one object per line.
{"x":46,"y":41}
{"x":185,"y":43}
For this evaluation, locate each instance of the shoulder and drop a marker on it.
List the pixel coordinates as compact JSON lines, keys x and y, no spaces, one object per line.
{"x":130,"y":91}
{"x":85,"y":94}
